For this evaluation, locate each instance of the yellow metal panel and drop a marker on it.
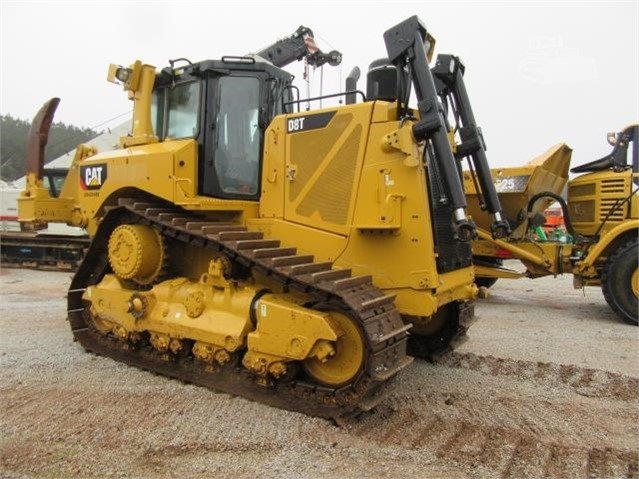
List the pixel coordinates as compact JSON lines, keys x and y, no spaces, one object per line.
{"x":387,"y":255}
{"x":384,"y":112}
{"x":382,"y":224}
{"x":456,"y":285}
{"x":288,"y":330}
{"x":596,"y":201}
{"x":330,"y":195}
{"x":322,"y":169}
{"x":273,"y":172}
{"x":167,"y":170}
{"x":40,"y":207}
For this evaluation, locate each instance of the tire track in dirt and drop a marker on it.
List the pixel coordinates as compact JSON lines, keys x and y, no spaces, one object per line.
{"x":585,"y":381}
{"x":609,"y":462}
{"x":480,"y":433}
{"x":506,"y":453}
{"x":500,"y":433}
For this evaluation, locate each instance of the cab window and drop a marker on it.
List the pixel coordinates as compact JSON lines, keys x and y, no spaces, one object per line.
{"x":175,"y":111}
{"x":183,"y":106}
{"x":238,"y":135}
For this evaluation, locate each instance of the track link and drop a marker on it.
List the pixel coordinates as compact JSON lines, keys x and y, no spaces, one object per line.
{"x":384,"y":332}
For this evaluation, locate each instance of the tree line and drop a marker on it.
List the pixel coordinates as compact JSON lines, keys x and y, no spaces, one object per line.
{"x":13,"y":144}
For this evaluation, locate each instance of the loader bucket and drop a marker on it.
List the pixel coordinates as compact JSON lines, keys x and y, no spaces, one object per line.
{"x":517,"y":185}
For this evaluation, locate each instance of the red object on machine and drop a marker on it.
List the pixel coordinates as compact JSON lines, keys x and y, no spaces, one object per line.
{"x":554,"y":219}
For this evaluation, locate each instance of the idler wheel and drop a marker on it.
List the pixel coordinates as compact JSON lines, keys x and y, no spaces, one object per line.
{"x":342,"y":367}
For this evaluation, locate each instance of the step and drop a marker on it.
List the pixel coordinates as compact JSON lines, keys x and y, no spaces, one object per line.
{"x":327,"y":276}
{"x":198,"y":225}
{"x":126,"y":201}
{"x":268,"y":253}
{"x":254,"y":244}
{"x":291,"y":260}
{"x":143,"y":206}
{"x":217,"y":229}
{"x":349,"y":283}
{"x":306,"y":268}
{"x":240,"y":235}
{"x":154,"y":212}
{"x":180,"y":221}
{"x":378,"y":302}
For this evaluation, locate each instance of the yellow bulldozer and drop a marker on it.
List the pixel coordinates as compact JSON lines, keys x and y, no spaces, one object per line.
{"x":601,"y":215}
{"x":292,"y":257}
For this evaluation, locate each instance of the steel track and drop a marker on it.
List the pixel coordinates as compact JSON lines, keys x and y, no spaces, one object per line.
{"x":384,"y":332}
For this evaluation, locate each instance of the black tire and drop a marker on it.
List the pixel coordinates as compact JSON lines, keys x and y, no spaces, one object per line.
{"x":454,"y":318}
{"x":483,"y":281}
{"x":619,"y":281}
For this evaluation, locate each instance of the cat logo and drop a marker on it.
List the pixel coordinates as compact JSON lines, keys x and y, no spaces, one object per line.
{"x":93,"y":177}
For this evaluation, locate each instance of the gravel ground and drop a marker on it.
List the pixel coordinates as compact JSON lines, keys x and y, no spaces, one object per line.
{"x":546,"y":386}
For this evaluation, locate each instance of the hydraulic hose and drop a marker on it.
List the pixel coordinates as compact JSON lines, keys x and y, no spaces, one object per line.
{"x":564,"y":209}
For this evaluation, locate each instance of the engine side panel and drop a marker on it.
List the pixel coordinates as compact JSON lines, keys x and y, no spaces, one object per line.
{"x":334,"y":188}
{"x":601,"y":198}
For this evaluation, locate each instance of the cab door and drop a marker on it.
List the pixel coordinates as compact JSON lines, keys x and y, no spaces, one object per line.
{"x":230,"y":167}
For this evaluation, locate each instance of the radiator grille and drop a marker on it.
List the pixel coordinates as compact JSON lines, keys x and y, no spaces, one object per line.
{"x":613,"y":206}
{"x":582,"y":190}
{"x":613,"y":187}
{"x":309,"y":149}
{"x":330,"y":195}
{"x":582,"y":211}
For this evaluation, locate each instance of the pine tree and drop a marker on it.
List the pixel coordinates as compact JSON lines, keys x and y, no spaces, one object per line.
{"x":13,"y":144}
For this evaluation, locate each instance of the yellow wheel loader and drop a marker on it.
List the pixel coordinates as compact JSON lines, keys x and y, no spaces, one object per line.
{"x":287,"y":256}
{"x":601,"y":215}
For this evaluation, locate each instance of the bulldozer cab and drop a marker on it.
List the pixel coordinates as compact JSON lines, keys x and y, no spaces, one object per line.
{"x":225,"y":105}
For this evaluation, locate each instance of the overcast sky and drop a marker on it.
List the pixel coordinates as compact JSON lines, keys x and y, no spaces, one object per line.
{"x":537,"y":73}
